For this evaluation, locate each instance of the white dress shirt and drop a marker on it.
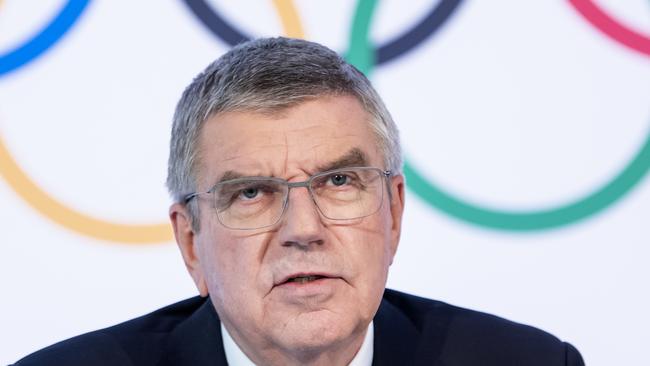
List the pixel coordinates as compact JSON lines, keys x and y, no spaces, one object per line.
{"x":236,"y":357}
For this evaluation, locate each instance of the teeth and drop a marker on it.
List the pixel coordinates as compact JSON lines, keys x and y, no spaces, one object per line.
{"x":304,"y":279}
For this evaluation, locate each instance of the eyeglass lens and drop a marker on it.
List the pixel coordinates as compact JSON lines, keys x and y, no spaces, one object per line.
{"x":259,"y":202}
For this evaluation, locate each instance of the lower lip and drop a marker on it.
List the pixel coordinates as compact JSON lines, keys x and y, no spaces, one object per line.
{"x":315,"y":287}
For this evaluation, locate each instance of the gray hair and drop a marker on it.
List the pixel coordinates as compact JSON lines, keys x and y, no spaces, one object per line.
{"x":268,"y":75}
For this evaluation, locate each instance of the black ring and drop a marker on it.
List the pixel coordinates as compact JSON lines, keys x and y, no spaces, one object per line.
{"x":215,"y":23}
{"x":436,"y":17}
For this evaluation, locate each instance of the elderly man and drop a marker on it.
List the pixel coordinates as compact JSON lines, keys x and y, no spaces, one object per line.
{"x":285,"y":169}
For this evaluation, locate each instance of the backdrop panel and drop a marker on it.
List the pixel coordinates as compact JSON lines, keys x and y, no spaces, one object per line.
{"x":525,"y":125}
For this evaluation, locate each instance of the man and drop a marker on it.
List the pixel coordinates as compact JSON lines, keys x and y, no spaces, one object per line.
{"x":285,"y":169}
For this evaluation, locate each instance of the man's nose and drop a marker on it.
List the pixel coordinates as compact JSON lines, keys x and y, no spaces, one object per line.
{"x":302,"y":224}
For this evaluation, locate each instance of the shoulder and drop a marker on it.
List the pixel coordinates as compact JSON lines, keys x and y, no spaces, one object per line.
{"x":469,"y":337}
{"x":137,"y":341}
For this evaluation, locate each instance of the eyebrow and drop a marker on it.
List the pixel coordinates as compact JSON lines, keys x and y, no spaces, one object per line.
{"x":229,"y":175}
{"x":353,"y":158}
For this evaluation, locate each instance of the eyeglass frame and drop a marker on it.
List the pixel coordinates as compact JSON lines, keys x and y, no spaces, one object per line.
{"x":306,"y":184}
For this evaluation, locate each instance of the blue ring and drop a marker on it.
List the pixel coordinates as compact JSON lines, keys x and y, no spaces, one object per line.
{"x":44,"y":39}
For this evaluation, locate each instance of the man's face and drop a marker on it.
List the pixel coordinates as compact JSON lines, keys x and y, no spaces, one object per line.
{"x":244,"y":271}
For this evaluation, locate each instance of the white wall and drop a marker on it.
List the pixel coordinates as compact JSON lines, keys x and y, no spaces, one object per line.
{"x":508,"y":105}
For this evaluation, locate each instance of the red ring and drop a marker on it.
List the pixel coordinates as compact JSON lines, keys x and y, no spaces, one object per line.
{"x":611,"y":27}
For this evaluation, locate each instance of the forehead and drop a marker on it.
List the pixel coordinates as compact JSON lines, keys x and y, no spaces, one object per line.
{"x":296,"y":141}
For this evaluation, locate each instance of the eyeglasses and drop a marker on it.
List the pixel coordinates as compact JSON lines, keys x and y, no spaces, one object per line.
{"x":258,"y":202}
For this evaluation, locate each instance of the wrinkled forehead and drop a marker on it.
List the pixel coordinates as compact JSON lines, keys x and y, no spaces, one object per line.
{"x":312,"y":136}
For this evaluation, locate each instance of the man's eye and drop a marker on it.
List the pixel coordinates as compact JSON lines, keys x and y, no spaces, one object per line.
{"x":249,"y":193}
{"x":255,"y":191}
{"x":339,"y":179}
{"x":230,"y":195}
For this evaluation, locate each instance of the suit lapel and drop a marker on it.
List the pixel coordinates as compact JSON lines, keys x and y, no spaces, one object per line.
{"x":396,"y":338}
{"x":197,"y":341}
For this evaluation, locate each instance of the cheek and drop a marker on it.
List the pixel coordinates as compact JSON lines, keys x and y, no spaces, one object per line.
{"x":216,"y":270}
{"x":228,"y":282}
{"x":366,"y":251}
{"x":231,"y":265}
{"x":387,"y":241}
{"x":367,"y":254}
{"x":379,"y":244}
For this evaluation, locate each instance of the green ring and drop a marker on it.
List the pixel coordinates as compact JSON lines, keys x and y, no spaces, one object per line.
{"x":361,"y":55}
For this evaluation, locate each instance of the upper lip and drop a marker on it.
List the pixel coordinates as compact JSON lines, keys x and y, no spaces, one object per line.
{"x":305,"y":274}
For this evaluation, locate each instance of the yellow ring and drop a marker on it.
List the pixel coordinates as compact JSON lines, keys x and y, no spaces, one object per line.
{"x":65,"y":216}
{"x":97,"y":228}
{"x":289,"y":17}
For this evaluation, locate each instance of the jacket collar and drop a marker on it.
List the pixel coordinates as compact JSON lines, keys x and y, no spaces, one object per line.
{"x":395,"y":337}
{"x":197,"y":341}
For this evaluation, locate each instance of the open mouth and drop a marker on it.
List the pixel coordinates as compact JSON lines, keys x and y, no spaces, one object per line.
{"x":304,"y":279}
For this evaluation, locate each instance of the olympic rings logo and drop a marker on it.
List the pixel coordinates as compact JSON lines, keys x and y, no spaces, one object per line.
{"x":366,"y":57}
{"x":29,"y":190}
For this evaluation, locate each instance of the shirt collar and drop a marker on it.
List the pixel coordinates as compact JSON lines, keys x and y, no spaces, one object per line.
{"x":236,"y":357}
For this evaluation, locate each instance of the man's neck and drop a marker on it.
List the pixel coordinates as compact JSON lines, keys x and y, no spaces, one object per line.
{"x":358,"y":352}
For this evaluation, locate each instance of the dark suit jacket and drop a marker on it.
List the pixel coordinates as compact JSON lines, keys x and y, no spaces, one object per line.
{"x":409,"y":330}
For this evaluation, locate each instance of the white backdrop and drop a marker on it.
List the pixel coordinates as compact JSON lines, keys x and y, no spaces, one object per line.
{"x":510,"y":106}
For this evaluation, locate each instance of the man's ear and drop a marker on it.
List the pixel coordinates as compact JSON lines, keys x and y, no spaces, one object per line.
{"x":396,"y":210}
{"x":186,"y":240}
